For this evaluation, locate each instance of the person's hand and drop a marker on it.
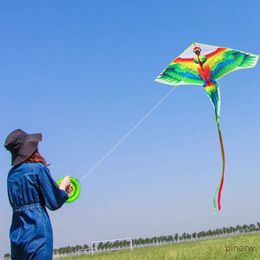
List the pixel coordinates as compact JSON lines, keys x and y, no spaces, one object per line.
{"x":65,"y":184}
{"x":69,"y":189}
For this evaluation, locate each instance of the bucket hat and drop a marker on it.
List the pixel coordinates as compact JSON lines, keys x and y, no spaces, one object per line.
{"x":21,"y":145}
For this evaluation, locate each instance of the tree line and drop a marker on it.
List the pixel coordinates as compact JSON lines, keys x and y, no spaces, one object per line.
{"x":156,"y":240}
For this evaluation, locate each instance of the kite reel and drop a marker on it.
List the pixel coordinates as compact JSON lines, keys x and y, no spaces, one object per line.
{"x":74,"y":194}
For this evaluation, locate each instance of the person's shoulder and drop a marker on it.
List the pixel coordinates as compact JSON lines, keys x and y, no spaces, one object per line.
{"x":33,"y":167}
{"x":26,"y":169}
{"x":20,"y":168}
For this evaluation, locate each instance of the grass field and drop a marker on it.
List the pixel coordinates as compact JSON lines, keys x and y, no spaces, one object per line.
{"x":237,"y":247}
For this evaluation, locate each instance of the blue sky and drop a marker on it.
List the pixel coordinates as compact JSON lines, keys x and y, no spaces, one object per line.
{"x":82,"y":73}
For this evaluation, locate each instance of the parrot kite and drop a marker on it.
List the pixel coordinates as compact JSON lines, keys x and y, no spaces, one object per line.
{"x":202,"y":64}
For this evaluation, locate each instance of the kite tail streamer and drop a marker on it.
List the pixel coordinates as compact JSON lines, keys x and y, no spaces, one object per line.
{"x":220,"y":186}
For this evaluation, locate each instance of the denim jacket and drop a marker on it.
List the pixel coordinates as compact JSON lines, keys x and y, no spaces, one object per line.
{"x":30,"y":189}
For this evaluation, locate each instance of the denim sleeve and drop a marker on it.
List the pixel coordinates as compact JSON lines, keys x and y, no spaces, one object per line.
{"x":53,"y":197}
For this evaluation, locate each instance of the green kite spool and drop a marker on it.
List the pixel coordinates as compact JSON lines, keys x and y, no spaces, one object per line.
{"x":74,"y":194}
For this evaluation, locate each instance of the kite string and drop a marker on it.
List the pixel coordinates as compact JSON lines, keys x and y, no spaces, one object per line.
{"x":127,"y":134}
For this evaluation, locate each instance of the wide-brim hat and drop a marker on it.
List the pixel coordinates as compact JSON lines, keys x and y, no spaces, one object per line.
{"x":21,"y":145}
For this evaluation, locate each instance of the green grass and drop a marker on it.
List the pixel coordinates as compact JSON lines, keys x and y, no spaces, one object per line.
{"x":207,"y":249}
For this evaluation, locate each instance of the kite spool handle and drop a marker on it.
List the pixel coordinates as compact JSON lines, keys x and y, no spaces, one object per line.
{"x":75,"y":193}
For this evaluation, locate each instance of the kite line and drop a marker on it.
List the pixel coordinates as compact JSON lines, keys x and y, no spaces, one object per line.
{"x":127,"y":134}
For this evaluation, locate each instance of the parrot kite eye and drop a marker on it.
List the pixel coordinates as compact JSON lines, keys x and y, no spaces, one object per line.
{"x":197,"y":50}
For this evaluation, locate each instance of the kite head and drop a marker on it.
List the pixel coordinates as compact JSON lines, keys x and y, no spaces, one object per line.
{"x":197,"y":50}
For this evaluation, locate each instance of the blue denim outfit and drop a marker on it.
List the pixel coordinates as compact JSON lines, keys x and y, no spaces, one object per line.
{"x":30,"y":189}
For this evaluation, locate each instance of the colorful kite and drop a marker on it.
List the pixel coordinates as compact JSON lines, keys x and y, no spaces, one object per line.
{"x":74,"y":194}
{"x":202,"y":64}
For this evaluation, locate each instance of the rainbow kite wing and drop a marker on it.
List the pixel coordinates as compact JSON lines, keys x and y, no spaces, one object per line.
{"x":202,"y":64}
{"x":224,"y":61}
{"x":181,"y":72}
{"x":184,"y":70}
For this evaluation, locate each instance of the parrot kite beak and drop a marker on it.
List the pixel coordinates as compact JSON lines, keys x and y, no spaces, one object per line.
{"x":197,"y":50}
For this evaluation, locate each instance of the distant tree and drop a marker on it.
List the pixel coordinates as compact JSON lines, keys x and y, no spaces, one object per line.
{"x":238,"y":228}
{"x":100,"y":246}
{"x":7,"y":256}
{"x":157,"y":240}
{"x":258,"y":225}
{"x":252,"y":227}
{"x":245,"y":228}
{"x":170,"y":238}
{"x":85,"y":246}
